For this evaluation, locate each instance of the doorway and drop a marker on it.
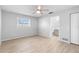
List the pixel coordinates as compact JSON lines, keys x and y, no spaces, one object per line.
{"x":55,"y":26}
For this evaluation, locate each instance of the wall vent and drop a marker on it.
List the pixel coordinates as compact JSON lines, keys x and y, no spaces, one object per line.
{"x":50,"y":12}
{"x":65,"y":39}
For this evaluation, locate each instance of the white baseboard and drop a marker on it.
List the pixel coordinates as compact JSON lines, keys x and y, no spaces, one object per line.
{"x":0,"y":43}
{"x":65,"y":41}
{"x":17,"y":37}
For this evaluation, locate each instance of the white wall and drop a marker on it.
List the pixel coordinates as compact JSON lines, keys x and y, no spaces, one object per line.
{"x":64,"y":23}
{"x":40,"y":27}
{"x":10,"y":29}
{"x":44,"y":26}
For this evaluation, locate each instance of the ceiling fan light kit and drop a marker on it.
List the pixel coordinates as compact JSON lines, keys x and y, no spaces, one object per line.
{"x":39,"y":10}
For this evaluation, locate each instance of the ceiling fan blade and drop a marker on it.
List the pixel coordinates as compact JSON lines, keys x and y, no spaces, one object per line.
{"x":33,"y":12}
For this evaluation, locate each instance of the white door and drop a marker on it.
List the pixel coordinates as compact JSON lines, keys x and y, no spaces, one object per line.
{"x":0,"y":26}
{"x":75,"y":28}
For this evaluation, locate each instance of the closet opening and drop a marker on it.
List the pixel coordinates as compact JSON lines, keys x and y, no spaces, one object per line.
{"x":55,"y":26}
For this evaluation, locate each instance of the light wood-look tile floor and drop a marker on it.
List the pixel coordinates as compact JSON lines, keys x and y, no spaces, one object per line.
{"x":37,"y":44}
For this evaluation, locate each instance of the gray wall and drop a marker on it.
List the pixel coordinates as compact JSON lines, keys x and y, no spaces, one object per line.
{"x":10,"y":29}
{"x":64,"y":23}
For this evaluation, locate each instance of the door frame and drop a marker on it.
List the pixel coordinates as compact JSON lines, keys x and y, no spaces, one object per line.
{"x":50,"y":31}
{"x":70,"y":25}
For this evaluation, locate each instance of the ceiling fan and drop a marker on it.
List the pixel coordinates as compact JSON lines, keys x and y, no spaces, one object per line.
{"x":40,"y":10}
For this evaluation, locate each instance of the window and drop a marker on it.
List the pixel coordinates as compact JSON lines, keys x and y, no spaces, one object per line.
{"x":23,"y":21}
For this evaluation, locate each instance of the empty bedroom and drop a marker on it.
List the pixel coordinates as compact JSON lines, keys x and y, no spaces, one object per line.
{"x":39,"y":28}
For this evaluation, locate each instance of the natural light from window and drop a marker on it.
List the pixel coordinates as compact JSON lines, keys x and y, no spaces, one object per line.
{"x":23,"y":21}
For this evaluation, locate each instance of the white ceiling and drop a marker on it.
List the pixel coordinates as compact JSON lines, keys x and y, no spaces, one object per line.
{"x":29,"y":9}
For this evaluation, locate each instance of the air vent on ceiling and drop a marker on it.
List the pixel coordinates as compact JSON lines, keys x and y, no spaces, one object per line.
{"x":50,"y":12}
